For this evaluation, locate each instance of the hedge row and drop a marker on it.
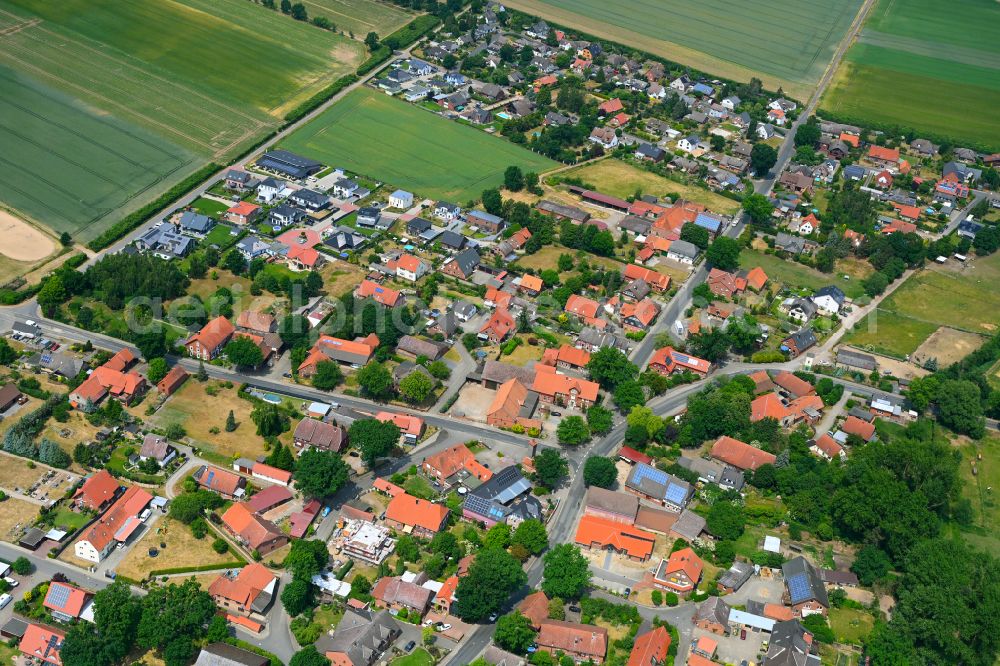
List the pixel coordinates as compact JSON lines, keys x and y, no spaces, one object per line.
{"x":411,"y":32}
{"x":134,"y":219}
{"x":236,"y":564}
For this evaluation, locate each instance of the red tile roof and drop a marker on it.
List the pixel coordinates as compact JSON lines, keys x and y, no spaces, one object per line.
{"x":768,"y":406}
{"x":172,"y":381}
{"x":650,"y":648}
{"x":855,"y":426}
{"x":829,"y":446}
{"x":578,"y":358}
{"x":739,"y":454}
{"x":793,"y":384}
{"x":883,"y":153}
{"x":552,"y":384}
{"x":120,"y":520}
{"x":582,"y":307}
{"x":245,"y":587}
{"x":657,"y":281}
{"x":214,"y":333}
{"x":608,"y":533}
{"x":629,"y":453}
{"x":577,"y":639}
{"x":384,"y":295}
{"x":65,"y":599}
{"x":535,"y":607}
{"x":409,"y":510}
{"x":408,"y":424}
{"x":756,"y":278}
{"x":98,"y":489}
{"x":687,"y":561}
{"x":43,"y":643}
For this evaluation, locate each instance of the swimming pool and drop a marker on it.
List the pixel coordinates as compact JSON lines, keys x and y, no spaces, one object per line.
{"x":271,"y":398}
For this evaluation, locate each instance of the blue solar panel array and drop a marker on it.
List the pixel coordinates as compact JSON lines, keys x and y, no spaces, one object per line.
{"x":58,"y":596}
{"x":644,"y":471}
{"x":798,"y":588}
{"x":675,"y":494}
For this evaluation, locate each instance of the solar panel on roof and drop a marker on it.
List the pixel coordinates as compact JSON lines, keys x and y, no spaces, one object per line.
{"x":798,"y":588}
{"x":58,"y":596}
{"x":644,"y":472}
{"x":46,"y":358}
{"x":681,"y":358}
{"x":675,"y":493}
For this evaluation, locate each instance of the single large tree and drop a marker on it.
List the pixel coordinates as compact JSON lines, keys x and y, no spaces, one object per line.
{"x":375,"y":439}
{"x":724,"y":253}
{"x":567,"y":572}
{"x":514,"y":633}
{"x":531,"y":534}
{"x":320,"y":474}
{"x":573,"y":431}
{"x":610,"y":367}
{"x":600,"y":471}
{"x":550,"y":468}
{"x":758,"y":207}
{"x":375,"y":381}
{"x":493,"y":576}
{"x":244,"y":352}
{"x":327,"y":376}
{"x":762,"y":158}
{"x":416,"y":387}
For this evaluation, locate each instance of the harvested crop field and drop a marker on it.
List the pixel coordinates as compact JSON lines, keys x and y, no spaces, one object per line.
{"x":15,"y":516}
{"x":107,"y":103}
{"x":735,"y":40}
{"x":942,"y":69}
{"x":374,"y":135}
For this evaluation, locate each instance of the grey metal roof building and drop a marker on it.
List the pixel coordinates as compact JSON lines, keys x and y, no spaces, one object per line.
{"x":361,"y":637}
{"x":789,"y":647}
{"x":738,"y":574}
{"x":289,"y":164}
{"x":660,"y":485}
{"x":505,"y":495}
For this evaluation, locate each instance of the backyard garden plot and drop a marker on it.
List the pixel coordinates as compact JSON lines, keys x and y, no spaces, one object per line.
{"x":380,"y":137}
{"x":943,"y":71}
{"x":784,"y":42}
{"x":104,"y":105}
{"x":360,"y":16}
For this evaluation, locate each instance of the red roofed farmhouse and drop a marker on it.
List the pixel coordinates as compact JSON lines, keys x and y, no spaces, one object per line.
{"x":207,"y":343}
{"x":680,"y":572}
{"x":417,"y":516}
{"x":115,"y":526}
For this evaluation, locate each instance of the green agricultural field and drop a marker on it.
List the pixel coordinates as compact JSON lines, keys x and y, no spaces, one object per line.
{"x":962,"y":298}
{"x":387,"y":139}
{"x":735,"y":40}
{"x":360,"y":16}
{"x":107,"y":103}
{"x":915,"y":68}
{"x":980,"y":489}
{"x":68,"y":166}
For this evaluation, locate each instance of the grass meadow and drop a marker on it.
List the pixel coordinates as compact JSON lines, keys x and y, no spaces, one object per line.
{"x":960,"y":297}
{"x":374,"y":135}
{"x":916,"y":67}
{"x":736,"y":40}
{"x":107,"y":103}
{"x":796,"y":276}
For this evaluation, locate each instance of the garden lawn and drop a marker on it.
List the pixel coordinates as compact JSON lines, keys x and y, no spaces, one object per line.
{"x":340,"y":277}
{"x":796,"y":276}
{"x":199,"y":412}
{"x":212,"y":208}
{"x":182,"y":550}
{"x":374,"y":135}
{"x":719,"y":37}
{"x":851,"y":625}
{"x":621,"y":179}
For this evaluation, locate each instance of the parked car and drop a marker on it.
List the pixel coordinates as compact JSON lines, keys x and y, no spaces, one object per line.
{"x":4,"y":600}
{"x":409,"y":646}
{"x":10,"y":581}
